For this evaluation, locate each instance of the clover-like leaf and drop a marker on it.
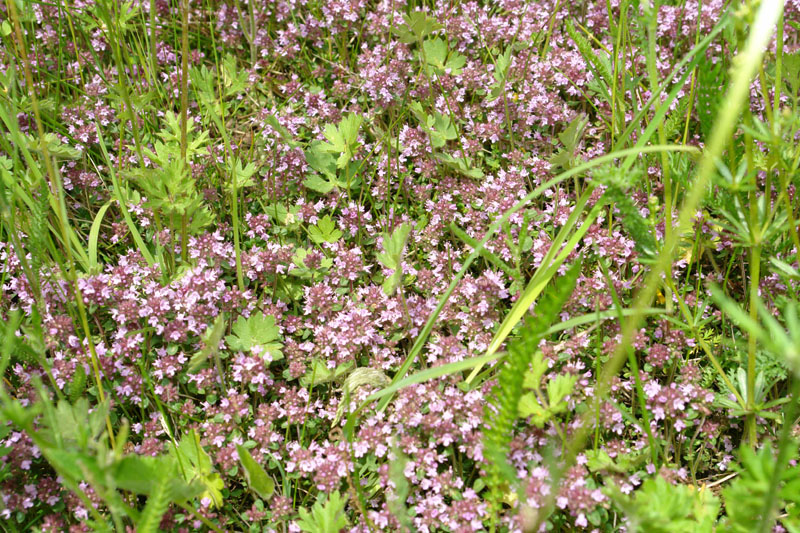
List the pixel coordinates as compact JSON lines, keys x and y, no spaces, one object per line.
{"x":439,"y":127}
{"x":342,"y":139}
{"x":315,"y":182}
{"x":558,"y":389}
{"x":319,"y":158}
{"x":258,"y":332}
{"x":529,"y":407}
{"x":533,"y":377}
{"x":241,"y":175}
{"x":502,"y":63}
{"x":418,"y":25}
{"x":460,"y":165}
{"x":442,"y":61}
{"x":324,"y":231}
{"x":326,"y":516}
{"x":319,"y":373}
{"x":55,"y":148}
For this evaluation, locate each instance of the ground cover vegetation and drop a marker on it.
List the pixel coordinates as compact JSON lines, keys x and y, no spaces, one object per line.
{"x":312,"y":266}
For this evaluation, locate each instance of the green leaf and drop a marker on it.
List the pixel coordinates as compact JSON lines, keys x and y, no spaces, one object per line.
{"x":785,"y":268}
{"x":558,"y":389}
{"x":392,"y":256}
{"x":437,"y":56}
{"x":570,"y":138}
{"x":443,"y":129}
{"x":73,"y":425}
{"x":508,"y":399}
{"x":170,"y":188}
{"x":279,"y":213}
{"x":738,"y":315}
{"x":256,"y":331}
{"x":319,"y":184}
{"x":197,"y":466}
{"x":69,"y":463}
{"x":533,"y":377}
{"x":619,"y":192}
{"x":283,"y":132}
{"x":213,"y":484}
{"x":233,"y":79}
{"x":600,"y":461}
{"x":242,"y":176}
{"x":791,"y":71}
{"x":319,"y":373}
{"x":211,"y":338}
{"x":393,"y":246}
{"x":54,"y":147}
{"x":661,"y":507}
{"x":140,"y":473}
{"x":360,"y":377}
{"x":501,"y":66}
{"x":391,"y":283}
{"x":120,"y":194}
{"x":190,"y":450}
{"x":493,"y":258}
{"x":342,"y":139}
{"x":439,"y":127}
{"x":435,"y":51}
{"x":321,"y":160}
{"x":460,"y":165}
{"x":396,"y":501}
{"x":157,"y":504}
{"x":94,"y":236}
{"x":529,"y":407}
{"x":257,"y":478}
{"x":325,"y":164}
{"x":126,"y":13}
{"x":78,"y":384}
{"x":623,"y":463}
{"x":171,"y":135}
{"x":324,"y":231}
{"x":326,"y":516}
{"x":418,"y":25}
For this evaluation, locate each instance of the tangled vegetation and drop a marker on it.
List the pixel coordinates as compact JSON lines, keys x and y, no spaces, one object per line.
{"x":396,"y":265}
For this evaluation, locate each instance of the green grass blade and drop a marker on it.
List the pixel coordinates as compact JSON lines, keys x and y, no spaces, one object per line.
{"x":94,"y":235}
{"x":486,"y":254}
{"x":543,"y":275}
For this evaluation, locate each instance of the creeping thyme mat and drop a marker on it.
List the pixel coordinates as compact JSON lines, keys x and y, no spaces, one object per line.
{"x":321,"y":266}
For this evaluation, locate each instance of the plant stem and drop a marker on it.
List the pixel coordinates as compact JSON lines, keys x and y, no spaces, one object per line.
{"x":750,"y":421}
{"x":784,"y":449}
{"x":651,"y":11}
{"x":184,"y":111}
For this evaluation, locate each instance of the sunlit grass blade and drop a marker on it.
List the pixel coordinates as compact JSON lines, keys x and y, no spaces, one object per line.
{"x":94,"y":235}
{"x":546,"y":272}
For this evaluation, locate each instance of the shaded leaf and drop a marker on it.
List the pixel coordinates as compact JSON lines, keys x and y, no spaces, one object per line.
{"x":257,"y":478}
